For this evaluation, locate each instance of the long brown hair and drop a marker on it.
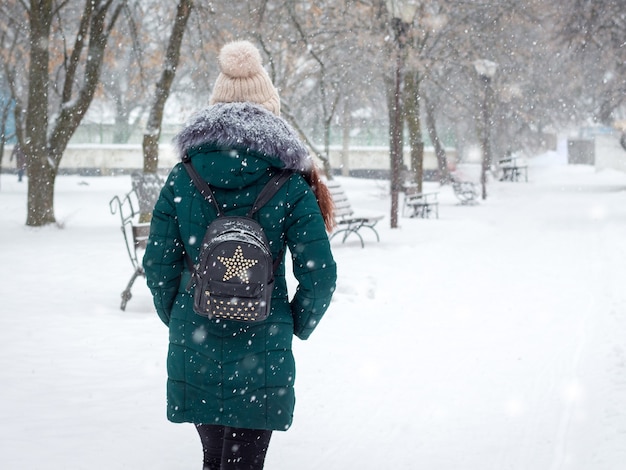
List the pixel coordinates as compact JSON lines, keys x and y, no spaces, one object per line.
{"x":323,"y":196}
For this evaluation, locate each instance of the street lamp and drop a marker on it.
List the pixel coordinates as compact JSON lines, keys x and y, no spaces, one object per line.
{"x":402,"y":13}
{"x":485,"y":69}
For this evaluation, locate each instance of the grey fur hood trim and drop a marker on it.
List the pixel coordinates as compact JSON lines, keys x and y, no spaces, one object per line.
{"x":247,"y":126}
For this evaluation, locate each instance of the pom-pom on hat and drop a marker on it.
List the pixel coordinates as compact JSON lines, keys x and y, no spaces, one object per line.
{"x":243,"y":78}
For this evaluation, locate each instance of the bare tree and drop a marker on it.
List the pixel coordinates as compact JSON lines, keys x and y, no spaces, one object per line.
{"x":127,"y":70}
{"x":163,"y":87}
{"x":532,"y":88}
{"x":321,"y":56}
{"x":6,"y":103}
{"x":594,"y":34}
{"x":440,"y":152}
{"x":66,"y":48}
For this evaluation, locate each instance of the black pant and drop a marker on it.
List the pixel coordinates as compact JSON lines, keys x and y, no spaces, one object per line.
{"x":227,"y":448}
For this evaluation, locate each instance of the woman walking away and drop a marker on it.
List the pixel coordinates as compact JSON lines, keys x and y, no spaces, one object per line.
{"x":234,"y":380}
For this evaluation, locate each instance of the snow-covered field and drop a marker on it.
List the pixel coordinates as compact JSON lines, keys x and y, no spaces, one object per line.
{"x":493,"y":338}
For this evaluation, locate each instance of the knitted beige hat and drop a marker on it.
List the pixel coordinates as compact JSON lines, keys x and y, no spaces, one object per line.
{"x":243,"y":78}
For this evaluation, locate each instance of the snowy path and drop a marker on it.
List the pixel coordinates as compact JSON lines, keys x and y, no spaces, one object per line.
{"x":491,"y":339}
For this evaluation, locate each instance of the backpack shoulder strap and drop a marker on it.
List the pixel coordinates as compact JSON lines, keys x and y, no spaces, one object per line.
{"x":201,"y":185}
{"x":269,"y":190}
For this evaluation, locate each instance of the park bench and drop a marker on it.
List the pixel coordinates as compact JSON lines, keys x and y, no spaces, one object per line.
{"x":465,"y":191}
{"x":146,"y":188}
{"x":512,"y":168}
{"x":347,"y":221}
{"x":420,"y":204}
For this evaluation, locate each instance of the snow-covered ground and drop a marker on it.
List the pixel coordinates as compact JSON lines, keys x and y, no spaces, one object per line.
{"x":493,"y":338}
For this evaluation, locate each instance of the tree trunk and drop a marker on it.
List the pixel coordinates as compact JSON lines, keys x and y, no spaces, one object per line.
{"x":150,"y":145}
{"x":345,"y":140}
{"x":440,"y":152}
{"x":163,"y":87}
{"x":44,"y":147}
{"x":6,"y":109}
{"x":122,"y":130}
{"x":327,"y":126}
{"x":1,"y":155}
{"x":484,"y":134}
{"x":394,"y":107}
{"x":412,"y":116}
{"x":40,"y":205}
{"x":41,"y":181}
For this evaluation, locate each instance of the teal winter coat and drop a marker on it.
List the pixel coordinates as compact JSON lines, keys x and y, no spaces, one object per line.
{"x":227,"y":372}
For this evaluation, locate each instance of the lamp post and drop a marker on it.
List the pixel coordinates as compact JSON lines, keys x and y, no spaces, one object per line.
{"x":401,"y":13}
{"x":485,"y":69}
